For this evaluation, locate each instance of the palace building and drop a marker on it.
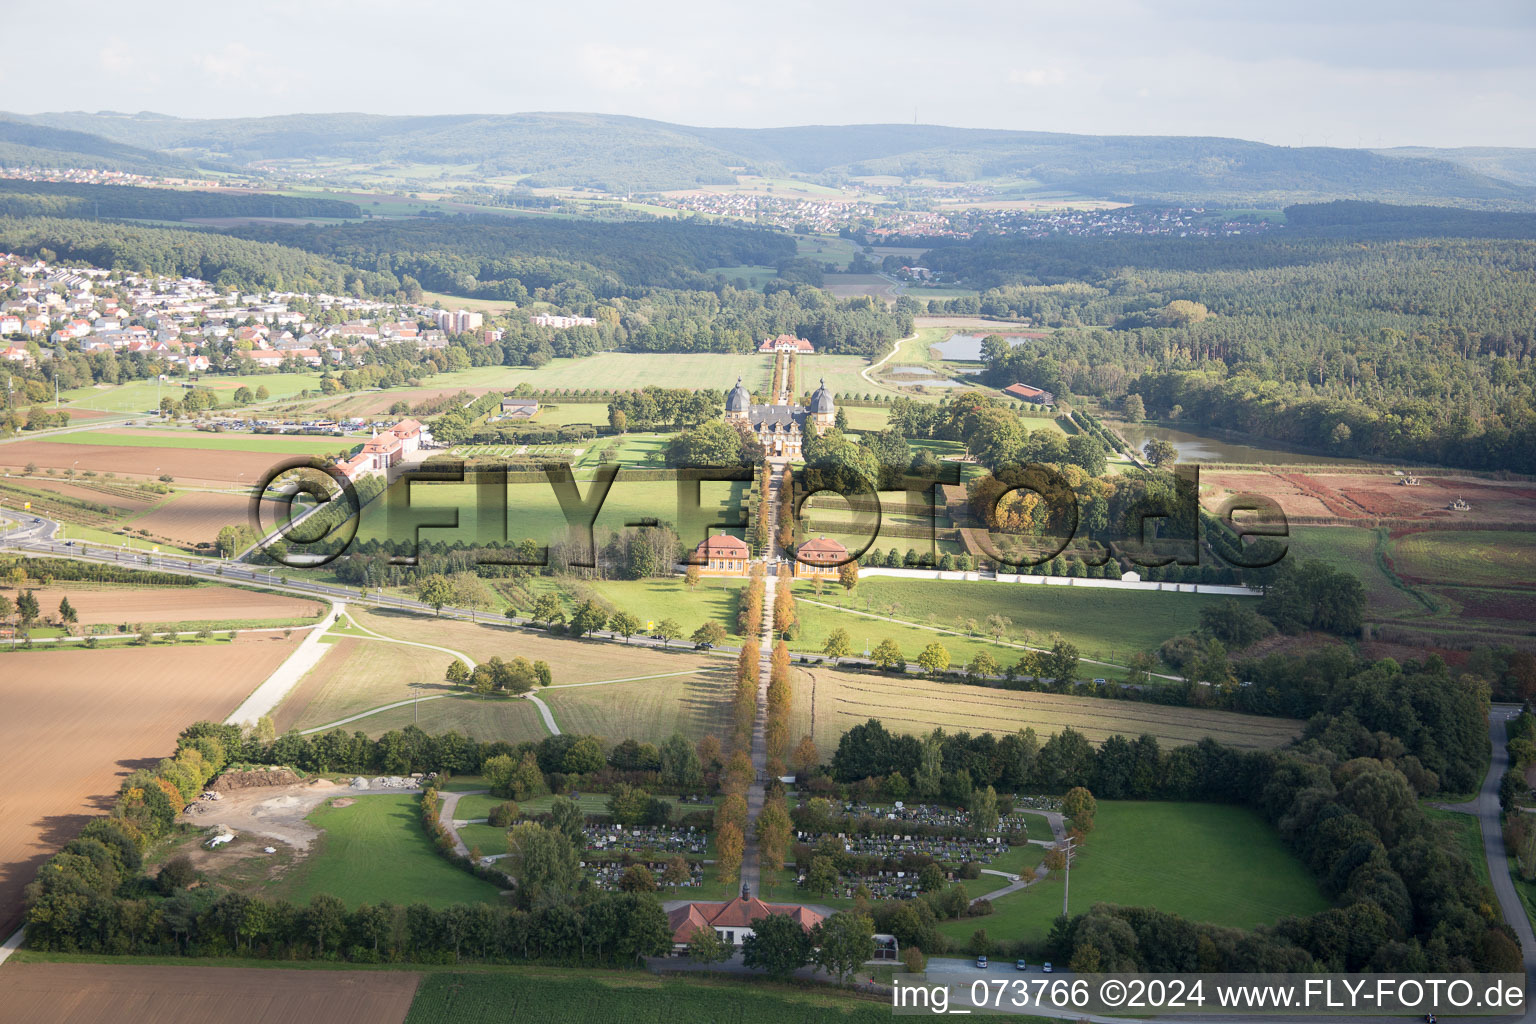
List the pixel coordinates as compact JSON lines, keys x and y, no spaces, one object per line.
{"x":780,"y":429}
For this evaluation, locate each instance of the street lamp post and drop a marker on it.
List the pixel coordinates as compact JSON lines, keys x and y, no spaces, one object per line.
{"x":1066,"y":888}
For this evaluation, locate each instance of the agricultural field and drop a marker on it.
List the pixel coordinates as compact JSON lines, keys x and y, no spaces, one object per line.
{"x":1472,"y":558}
{"x":841,"y":372}
{"x":91,"y":716}
{"x":359,"y":673}
{"x":193,"y":607}
{"x":479,"y":718}
{"x":96,"y":505}
{"x":649,"y":710}
{"x":567,"y":997}
{"x":846,"y":286}
{"x":1328,"y":493}
{"x":372,"y":848}
{"x":207,"y":440}
{"x":828,"y":702}
{"x":1108,"y":625}
{"x":573,"y":661}
{"x":192,"y":518}
{"x":184,"y":464}
{"x":1210,"y":863}
{"x":44,"y":993}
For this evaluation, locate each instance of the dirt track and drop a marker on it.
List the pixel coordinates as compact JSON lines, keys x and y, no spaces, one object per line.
{"x":76,"y":721}
{"x":122,"y":994}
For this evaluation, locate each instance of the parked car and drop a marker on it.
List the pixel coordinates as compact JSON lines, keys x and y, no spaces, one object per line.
{"x":1020,"y":965}
{"x":1046,"y":967}
{"x":981,"y":963}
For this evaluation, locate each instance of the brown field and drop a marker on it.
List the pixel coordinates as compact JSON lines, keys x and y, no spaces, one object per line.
{"x":93,"y":716}
{"x":112,"y":603}
{"x":44,"y":993}
{"x":185,"y":464}
{"x":1372,"y":496}
{"x":77,"y":414}
{"x":195,"y":516}
{"x":915,"y":706}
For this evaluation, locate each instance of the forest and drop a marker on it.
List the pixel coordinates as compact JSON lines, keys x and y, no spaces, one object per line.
{"x":1368,"y":331}
{"x":221,"y":259}
{"x":20,"y":198}
{"x":508,"y":258}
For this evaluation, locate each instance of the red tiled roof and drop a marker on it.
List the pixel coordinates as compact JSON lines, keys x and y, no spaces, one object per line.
{"x":738,"y":913}
{"x":1025,"y":392}
{"x":822,"y":546}
{"x":723,"y":544}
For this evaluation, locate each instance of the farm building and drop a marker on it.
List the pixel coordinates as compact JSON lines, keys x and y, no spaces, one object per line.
{"x":519,"y":408}
{"x":1028,"y":393}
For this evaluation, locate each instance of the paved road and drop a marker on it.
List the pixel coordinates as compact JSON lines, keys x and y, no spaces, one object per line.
{"x":1486,"y":807}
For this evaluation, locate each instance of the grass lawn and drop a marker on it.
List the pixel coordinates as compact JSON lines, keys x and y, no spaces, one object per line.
{"x":558,"y":996}
{"x":1466,"y":835}
{"x":1206,"y":862}
{"x":836,"y":701}
{"x":652,"y":600}
{"x":1109,"y":625}
{"x":207,"y":440}
{"x":375,"y":850}
{"x":533,"y":511}
{"x":144,"y":395}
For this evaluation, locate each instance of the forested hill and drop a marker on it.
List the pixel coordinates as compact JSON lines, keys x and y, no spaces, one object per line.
{"x":633,"y":154}
{"x":226,"y":261}
{"x":506,"y":258}
{"x":40,"y":145}
{"x":19,"y":198}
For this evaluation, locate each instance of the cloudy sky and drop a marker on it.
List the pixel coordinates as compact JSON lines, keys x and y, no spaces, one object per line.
{"x":1293,"y":72}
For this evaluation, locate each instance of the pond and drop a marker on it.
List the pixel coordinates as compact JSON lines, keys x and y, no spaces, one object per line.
{"x":929,"y":383}
{"x":1205,"y":448}
{"x":967,"y":347}
{"x":914,"y":371}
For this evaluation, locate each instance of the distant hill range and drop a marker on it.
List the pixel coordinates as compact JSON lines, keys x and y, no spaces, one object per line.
{"x":628,"y":154}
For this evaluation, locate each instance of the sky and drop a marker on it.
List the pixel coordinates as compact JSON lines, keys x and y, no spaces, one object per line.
{"x":1290,"y":72}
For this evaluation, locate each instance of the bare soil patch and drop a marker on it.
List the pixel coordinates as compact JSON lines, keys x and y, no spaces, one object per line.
{"x":110,"y":604}
{"x":93,"y":716}
{"x":195,"y":517}
{"x":44,"y":993}
{"x":185,"y":464}
{"x":272,"y":812}
{"x":1371,"y":496}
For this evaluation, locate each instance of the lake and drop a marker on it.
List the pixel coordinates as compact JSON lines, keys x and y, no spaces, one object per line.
{"x":1205,"y":448}
{"x":966,"y":348}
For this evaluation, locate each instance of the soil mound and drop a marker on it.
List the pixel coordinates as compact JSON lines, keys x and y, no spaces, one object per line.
{"x":230,"y":781}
